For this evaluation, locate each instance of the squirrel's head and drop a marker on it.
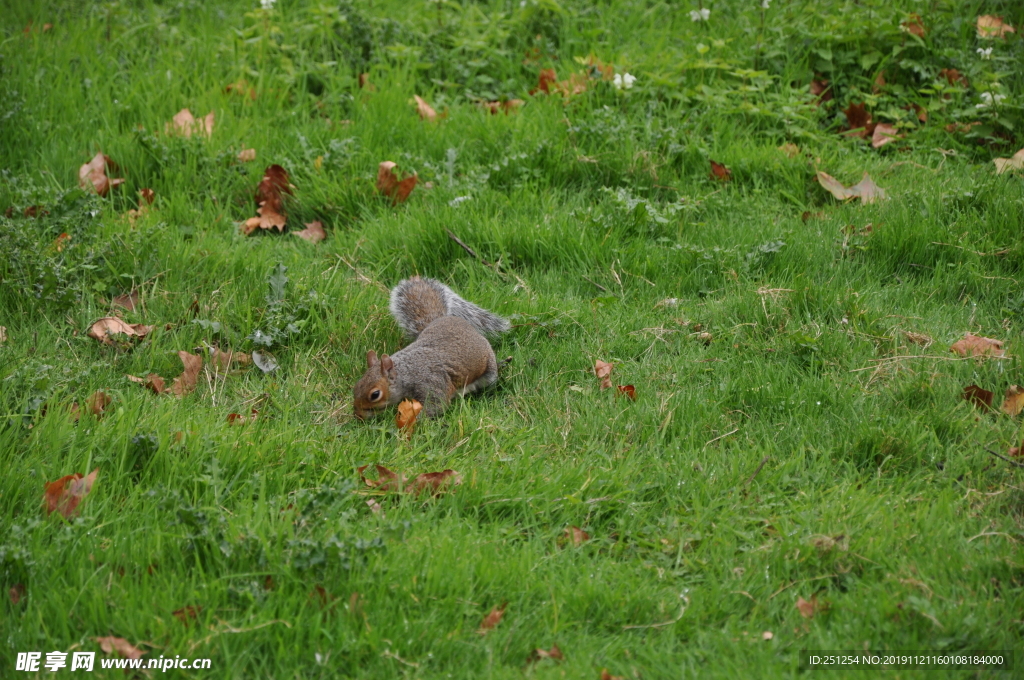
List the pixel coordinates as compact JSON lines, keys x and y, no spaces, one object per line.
{"x":371,"y":392}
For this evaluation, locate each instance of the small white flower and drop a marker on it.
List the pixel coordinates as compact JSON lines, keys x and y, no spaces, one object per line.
{"x":988,"y":99}
{"x":765,"y":3}
{"x":267,"y":4}
{"x":700,"y":14}
{"x":985,"y":53}
{"x":624,"y":81}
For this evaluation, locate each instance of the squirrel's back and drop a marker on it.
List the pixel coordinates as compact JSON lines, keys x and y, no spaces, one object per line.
{"x":416,"y":302}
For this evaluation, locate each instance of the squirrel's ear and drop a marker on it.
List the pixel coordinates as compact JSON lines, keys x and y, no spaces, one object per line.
{"x":371,"y":359}
{"x":385,"y":363}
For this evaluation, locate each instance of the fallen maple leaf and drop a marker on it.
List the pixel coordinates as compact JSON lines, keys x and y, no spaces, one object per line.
{"x":388,"y":480}
{"x":120,"y":645}
{"x":34,"y":211}
{"x":16,"y":593}
{"x":508,"y":106}
{"x":186,"y":382}
{"x":822,"y":91}
{"x":185,"y":124}
{"x":576,"y":536}
{"x":239,"y":419}
{"x":628,"y":390}
{"x":389,"y":184}
{"x":883,"y":134}
{"x":1013,"y":402}
{"x":66,"y":493}
{"x":314,"y":232}
{"x":492,"y":619}
{"x":975,"y":345}
{"x":605,"y":675}
{"x":246,"y":155}
{"x":186,"y":614}
{"x":269,"y":198}
{"x":914,"y":26}
{"x":126,"y":301}
{"x":791,"y":150}
{"x":720,"y":172}
{"x":94,"y":175}
{"x":424,"y":109}
{"x":807,"y":607}
{"x":538,"y":654}
{"x":223,"y":361}
{"x":152,"y":381}
{"x":104,"y":328}
{"x":545,"y":80}
{"x":978,"y":396}
{"x":990,"y":26}
{"x":603,"y":371}
{"x":866,"y":189}
{"x":408,"y":411}
{"x":1016,"y":162}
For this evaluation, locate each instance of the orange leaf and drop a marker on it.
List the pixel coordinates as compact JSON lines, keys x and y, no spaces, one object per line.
{"x":576,"y":536}
{"x":94,"y":174}
{"x":186,"y":382}
{"x":97,"y":402}
{"x":914,"y":25}
{"x":121,"y":646}
{"x":186,"y":614}
{"x":424,"y":109}
{"x":314,"y":232}
{"x":603,"y":370}
{"x":975,"y":345}
{"x":954,"y":77}
{"x":269,"y":198}
{"x":408,"y":411}
{"x":720,"y":172}
{"x":628,"y":390}
{"x":605,"y":675}
{"x":978,"y":396}
{"x":1013,"y":402}
{"x":434,"y":482}
{"x":66,"y":493}
{"x":389,"y":184}
{"x":545,"y":80}
{"x":990,"y":26}
{"x":492,"y":619}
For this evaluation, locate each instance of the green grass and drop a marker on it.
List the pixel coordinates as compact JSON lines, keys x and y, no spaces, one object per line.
{"x":803,"y":370}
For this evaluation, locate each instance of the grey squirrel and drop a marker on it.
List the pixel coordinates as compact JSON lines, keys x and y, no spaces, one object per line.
{"x":449,"y":355}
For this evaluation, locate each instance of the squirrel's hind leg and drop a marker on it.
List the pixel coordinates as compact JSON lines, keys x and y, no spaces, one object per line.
{"x":489,"y":377}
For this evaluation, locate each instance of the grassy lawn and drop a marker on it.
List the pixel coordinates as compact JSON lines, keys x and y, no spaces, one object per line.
{"x":799,"y":471}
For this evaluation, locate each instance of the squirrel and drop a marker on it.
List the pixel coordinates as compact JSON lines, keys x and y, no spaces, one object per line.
{"x":449,"y":355}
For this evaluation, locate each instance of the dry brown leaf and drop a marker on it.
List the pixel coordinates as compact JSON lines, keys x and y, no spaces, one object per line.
{"x":152,"y":381}
{"x":978,"y":396}
{"x":389,"y":184}
{"x":866,"y":189}
{"x":628,"y":390}
{"x":127,"y":301}
{"x":1013,"y":402}
{"x":186,"y":382}
{"x":16,"y":593}
{"x":365,"y":84}
{"x":954,"y":77}
{"x":240,"y":88}
{"x":883,"y":134}
{"x":247,"y":155}
{"x":119,"y":645}
{"x":108,"y":326}
{"x":575,"y":536}
{"x":808,"y":608}
{"x":94,"y":175}
{"x":3,"y":334}
{"x":270,"y":199}
{"x":435,"y":482}
{"x":224,"y":360}
{"x":1016,"y":162}
{"x":424,"y":109}
{"x":605,"y":675}
{"x":858,"y":121}
{"x":321,"y":597}
{"x":1016,"y":451}
{"x":990,"y":26}
{"x":408,"y":411}
{"x":66,"y":493}
{"x":767,"y":635}
{"x":554,"y":653}
{"x":492,"y":619}
{"x":822,"y":91}
{"x":545,"y":81}
{"x":720,"y":172}
{"x":791,"y":150}
{"x":603,"y":371}
{"x":185,"y":124}
{"x":914,"y":25}
{"x":97,"y":402}
{"x":239,"y":419}
{"x":975,"y":345}
{"x":314,"y":232}
{"x":34,"y":211}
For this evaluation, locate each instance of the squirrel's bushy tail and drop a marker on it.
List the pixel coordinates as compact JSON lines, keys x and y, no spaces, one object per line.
{"x":416,"y":302}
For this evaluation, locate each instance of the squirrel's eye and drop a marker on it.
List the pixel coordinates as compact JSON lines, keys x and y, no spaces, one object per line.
{"x":375,"y":395}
